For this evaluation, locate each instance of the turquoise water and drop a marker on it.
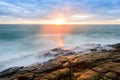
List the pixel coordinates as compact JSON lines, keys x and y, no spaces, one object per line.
{"x":20,"y":44}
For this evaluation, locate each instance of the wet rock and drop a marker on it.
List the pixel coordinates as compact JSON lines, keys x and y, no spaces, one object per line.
{"x":93,"y":49}
{"x":57,"y":49}
{"x":92,"y":66}
{"x":115,"y":45}
{"x":59,"y":52}
{"x":10,"y":71}
{"x":56,"y":52}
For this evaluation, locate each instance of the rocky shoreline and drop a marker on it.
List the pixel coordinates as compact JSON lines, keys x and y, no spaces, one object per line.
{"x":104,"y":65}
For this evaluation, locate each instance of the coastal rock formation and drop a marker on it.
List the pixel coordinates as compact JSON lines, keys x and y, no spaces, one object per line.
{"x":93,"y":66}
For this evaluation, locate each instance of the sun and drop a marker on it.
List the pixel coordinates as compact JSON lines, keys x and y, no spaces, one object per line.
{"x":59,"y":21}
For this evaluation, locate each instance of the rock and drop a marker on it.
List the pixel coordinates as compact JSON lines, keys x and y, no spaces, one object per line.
{"x":25,"y":76}
{"x":57,"y":49}
{"x":59,"y":52}
{"x":66,"y":64}
{"x":115,"y":45}
{"x":88,"y":75}
{"x":54,"y":52}
{"x":92,"y":66}
{"x":65,"y":71}
{"x":100,"y":69}
{"x":77,"y":74}
{"x":4,"y":79}
{"x":10,"y":71}
{"x":116,"y":69}
{"x":55,"y":75}
{"x":111,"y":75}
{"x":93,"y":49}
{"x":105,"y":67}
{"x":53,"y":64}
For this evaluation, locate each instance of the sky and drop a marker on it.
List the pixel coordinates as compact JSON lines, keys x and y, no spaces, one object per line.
{"x":71,"y":11}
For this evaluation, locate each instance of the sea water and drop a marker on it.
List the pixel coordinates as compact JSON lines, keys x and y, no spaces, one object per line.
{"x":21,"y":44}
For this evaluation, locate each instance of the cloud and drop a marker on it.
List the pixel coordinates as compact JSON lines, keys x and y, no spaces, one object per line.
{"x":78,"y":10}
{"x":19,"y":10}
{"x":118,"y":19}
{"x":81,"y":17}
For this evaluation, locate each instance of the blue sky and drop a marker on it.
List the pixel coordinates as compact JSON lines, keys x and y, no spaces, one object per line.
{"x":72,"y":10}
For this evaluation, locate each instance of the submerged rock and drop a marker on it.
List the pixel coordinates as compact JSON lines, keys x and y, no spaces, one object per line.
{"x":115,"y":45}
{"x":92,"y":66}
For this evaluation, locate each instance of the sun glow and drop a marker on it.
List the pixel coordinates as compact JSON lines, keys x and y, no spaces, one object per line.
{"x":57,"y":24}
{"x":59,"y":21}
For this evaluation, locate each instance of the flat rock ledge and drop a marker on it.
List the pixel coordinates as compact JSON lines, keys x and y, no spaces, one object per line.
{"x":92,"y":66}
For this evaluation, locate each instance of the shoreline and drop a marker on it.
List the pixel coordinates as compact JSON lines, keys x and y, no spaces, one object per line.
{"x":104,"y":65}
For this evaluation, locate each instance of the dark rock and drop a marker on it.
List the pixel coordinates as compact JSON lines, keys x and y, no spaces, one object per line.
{"x":54,"y":52}
{"x":93,"y":49}
{"x":10,"y":71}
{"x":115,"y":45}
{"x":57,"y":49}
{"x":25,"y":76}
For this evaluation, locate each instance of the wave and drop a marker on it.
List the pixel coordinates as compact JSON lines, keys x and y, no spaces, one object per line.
{"x":27,"y":58}
{"x":29,"y":46}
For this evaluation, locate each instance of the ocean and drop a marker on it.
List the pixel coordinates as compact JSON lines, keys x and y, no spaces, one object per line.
{"x":20,"y":45}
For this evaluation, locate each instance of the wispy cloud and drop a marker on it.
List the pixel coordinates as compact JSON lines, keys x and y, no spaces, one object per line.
{"x":81,"y":17}
{"x":90,"y":10}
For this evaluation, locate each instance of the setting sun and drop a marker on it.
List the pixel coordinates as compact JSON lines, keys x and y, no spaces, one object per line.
{"x":59,"y":21}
